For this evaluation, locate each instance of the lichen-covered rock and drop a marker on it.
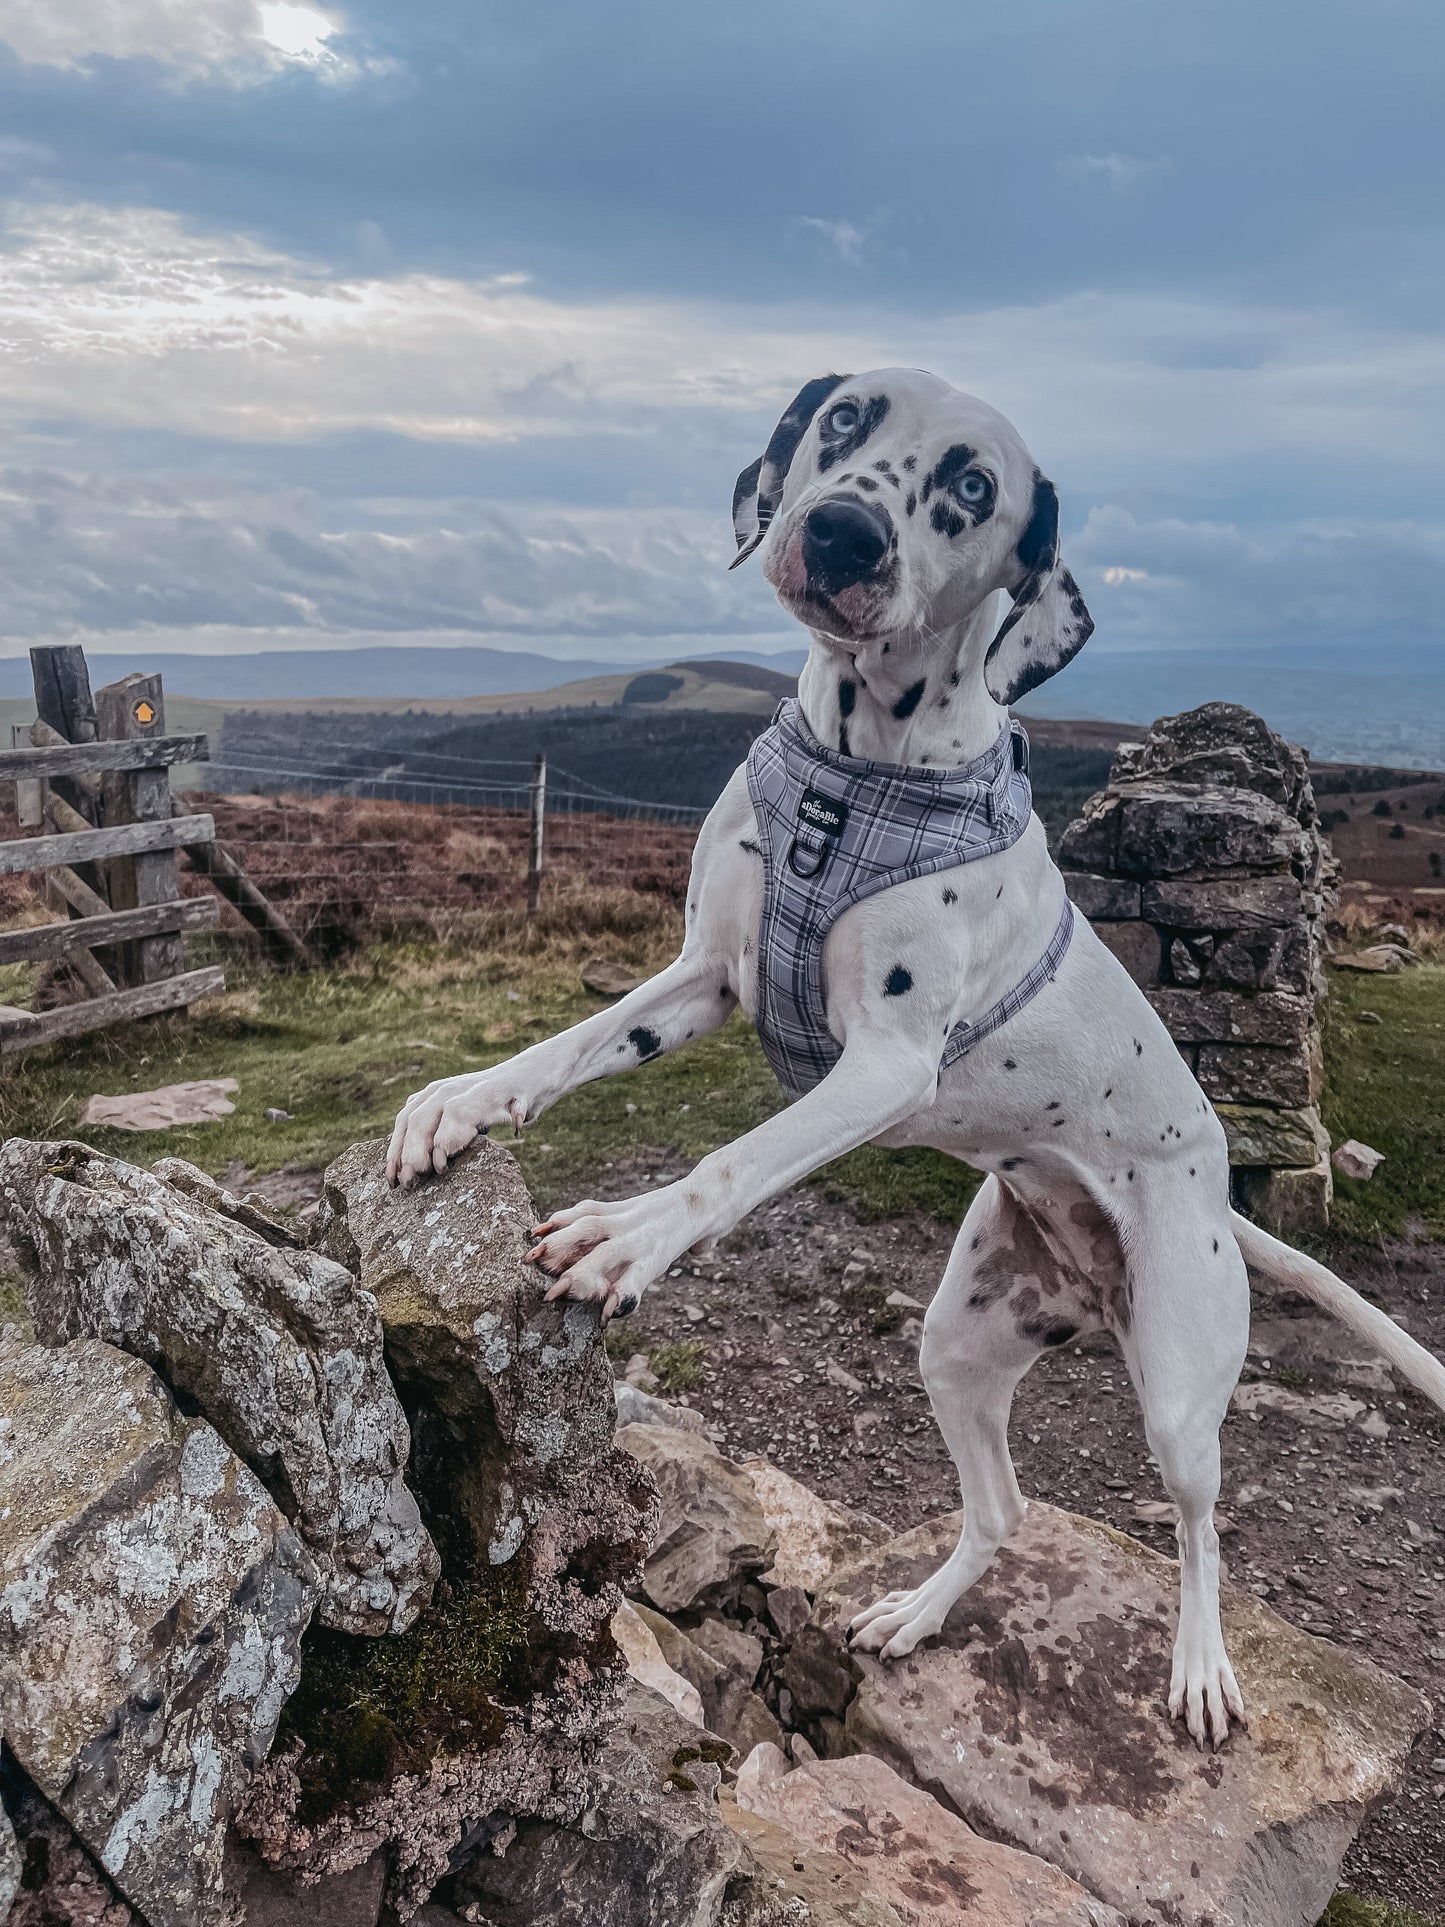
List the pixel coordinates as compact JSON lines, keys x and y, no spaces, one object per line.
{"x":916,"y":1854}
{"x":510,"y":1398}
{"x":1260,"y":1134}
{"x":61,"y":1884}
{"x":492,"y":1702}
{"x":1223,"y":746}
{"x":649,"y":1850}
{"x":1039,"y":1715}
{"x":712,"y":1536}
{"x":152,"y":1602}
{"x":1149,"y":830}
{"x":275,"y":1345}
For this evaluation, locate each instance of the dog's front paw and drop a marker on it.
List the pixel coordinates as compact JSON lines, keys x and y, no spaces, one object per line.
{"x":608,"y":1254}
{"x":441,"y":1120}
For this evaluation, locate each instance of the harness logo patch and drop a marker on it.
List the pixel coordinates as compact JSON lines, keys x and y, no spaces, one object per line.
{"x":821,"y":813}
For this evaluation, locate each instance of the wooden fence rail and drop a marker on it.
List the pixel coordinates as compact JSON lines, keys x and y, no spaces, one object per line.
{"x":93,"y":775}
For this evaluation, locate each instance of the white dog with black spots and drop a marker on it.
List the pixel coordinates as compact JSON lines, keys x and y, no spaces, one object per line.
{"x":891,"y":512}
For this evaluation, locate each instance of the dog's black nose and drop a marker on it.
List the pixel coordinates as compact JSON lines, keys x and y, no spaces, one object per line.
{"x":843,"y":542}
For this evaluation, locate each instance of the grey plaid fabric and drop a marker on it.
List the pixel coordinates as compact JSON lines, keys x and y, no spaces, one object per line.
{"x":835,"y":829}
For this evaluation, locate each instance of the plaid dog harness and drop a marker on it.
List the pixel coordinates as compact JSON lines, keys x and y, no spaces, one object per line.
{"x":836,"y":829}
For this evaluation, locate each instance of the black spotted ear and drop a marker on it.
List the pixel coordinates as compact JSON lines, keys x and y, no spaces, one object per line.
{"x":1048,"y":624}
{"x":759,"y":488}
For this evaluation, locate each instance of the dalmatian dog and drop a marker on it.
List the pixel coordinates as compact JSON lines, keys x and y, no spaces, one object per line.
{"x":891,"y":514}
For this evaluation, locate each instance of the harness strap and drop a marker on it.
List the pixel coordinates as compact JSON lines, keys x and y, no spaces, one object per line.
{"x":964,"y":1035}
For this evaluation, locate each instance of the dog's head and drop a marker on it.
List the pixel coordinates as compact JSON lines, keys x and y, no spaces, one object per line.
{"x":890,"y":504}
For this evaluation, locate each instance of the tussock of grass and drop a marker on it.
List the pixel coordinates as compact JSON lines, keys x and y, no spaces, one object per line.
{"x":678,"y":1367}
{"x":1350,"y":1910}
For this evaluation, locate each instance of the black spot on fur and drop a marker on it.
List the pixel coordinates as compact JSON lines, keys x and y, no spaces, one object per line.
{"x":909,"y":700}
{"x":1010,"y":1164}
{"x":1138,"y":1048}
{"x":1216,"y":1244}
{"x":870,"y":416}
{"x":843,"y":745}
{"x":898,"y":983}
{"x":950,"y":896}
{"x":911,"y":503}
{"x":1010,"y":1063}
{"x":847,"y":696}
{"x":747,"y":843}
{"x":645,"y":1042}
{"x":724,"y":991}
{"x":867,"y":482}
{"x":1130,"y":1176}
{"x":1052,"y":1105}
{"x":910,"y":462}
{"x":1057,"y":1122}
{"x":1060,"y":1334}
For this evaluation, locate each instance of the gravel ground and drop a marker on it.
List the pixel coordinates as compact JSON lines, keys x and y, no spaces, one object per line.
{"x":1337,"y":1513}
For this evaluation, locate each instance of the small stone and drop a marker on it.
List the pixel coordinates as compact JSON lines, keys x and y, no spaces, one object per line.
{"x":901,"y":1301}
{"x":1368,"y":1017}
{"x":1375,"y":1426}
{"x":1381,"y":959}
{"x":274,"y":1115}
{"x":694,"y":1314}
{"x":608,"y":979}
{"x":836,"y":1375}
{"x":1355,"y":1160}
{"x":789,"y":1608}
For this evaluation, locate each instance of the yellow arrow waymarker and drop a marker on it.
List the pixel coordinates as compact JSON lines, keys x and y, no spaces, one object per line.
{"x":144,"y":712}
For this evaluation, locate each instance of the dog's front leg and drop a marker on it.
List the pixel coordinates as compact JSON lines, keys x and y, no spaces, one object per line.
{"x":688,"y":999}
{"x":610,"y":1253}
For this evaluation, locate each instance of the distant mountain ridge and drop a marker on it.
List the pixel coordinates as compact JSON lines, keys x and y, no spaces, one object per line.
{"x":386,"y":671}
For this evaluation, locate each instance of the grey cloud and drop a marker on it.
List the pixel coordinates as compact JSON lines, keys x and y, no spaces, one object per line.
{"x":112,"y":554}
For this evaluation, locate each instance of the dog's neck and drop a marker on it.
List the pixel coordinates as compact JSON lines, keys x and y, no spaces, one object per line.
{"x":901,"y":699}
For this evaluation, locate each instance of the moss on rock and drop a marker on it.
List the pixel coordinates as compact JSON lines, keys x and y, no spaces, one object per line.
{"x":369,"y":1710}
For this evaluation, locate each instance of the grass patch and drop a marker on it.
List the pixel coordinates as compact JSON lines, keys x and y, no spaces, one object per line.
{"x":1385,"y":1084}
{"x":1350,"y":1910}
{"x":678,"y":1368}
{"x":341,"y":1048}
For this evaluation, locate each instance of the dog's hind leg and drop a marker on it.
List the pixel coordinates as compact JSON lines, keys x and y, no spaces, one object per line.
{"x":1000,"y":1303}
{"x":1184,"y":1344}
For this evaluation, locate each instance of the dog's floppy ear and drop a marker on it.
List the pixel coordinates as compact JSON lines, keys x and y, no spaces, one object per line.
{"x":759,"y":488}
{"x":1048,"y":624}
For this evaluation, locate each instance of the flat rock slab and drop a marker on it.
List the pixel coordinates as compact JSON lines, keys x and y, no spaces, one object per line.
{"x":712,"y":1536}
{"x":200,"y":1102}
{"x":798,"y":1875}
{"x":914,"y":1853}
{"x":1039,"y":1715}
{"x":274,"y":1344}
{"x":152,"y":1602}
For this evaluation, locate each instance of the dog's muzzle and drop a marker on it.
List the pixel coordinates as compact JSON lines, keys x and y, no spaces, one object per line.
{"x":843,"y":543}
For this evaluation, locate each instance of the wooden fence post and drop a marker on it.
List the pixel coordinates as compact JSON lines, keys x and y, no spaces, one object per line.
{"x":534,"y":840}
{"x":133,"y":710}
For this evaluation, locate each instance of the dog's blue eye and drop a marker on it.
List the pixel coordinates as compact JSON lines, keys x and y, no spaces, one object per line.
{"x":841,"y":420}
{"x":972,"y":488}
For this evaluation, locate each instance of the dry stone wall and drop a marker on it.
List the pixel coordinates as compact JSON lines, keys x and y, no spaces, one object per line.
{"x":1203,"y":868}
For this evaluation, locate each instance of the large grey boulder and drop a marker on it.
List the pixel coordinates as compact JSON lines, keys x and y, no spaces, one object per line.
{"x":152,"y":1602}
{"x":1038,"y":1714}
{"x":275,"y":1345}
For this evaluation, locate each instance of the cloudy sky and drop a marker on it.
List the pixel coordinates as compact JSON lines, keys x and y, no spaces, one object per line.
{"x":454,"y":321}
